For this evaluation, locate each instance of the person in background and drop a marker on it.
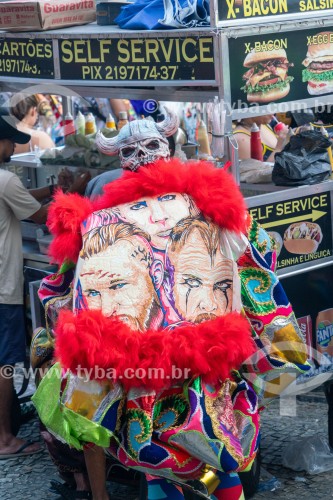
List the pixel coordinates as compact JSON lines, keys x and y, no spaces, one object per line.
{"x":16,"y":204}
{"x":26,"y":111}
{"x":271,"y":142}
{"x":324,"y":118}
{"x":96,"y":185}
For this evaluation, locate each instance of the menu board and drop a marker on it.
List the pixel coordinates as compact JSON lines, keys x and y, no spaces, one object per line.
{"x":26,"y":58}
{"x":147,"y":59}
{"x":282,"y":67}
{"x":232,"y":10}
{"x":301,"y":228}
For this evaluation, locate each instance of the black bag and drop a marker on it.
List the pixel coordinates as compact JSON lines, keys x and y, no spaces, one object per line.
{"x":303,"y":161}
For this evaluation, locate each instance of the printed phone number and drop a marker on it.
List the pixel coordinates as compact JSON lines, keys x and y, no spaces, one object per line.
{"x":18,"y":66}
{"x":128,"y":72}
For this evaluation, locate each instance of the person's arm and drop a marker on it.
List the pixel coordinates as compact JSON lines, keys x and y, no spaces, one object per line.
{"x":281,"y":139}
{"x":118,"y":105}
{"x":40,"y":194}
{"x":44,"y":192}
{"x":41,"y":139}
{"x":244,"y":146}
{"x":40,"y":216}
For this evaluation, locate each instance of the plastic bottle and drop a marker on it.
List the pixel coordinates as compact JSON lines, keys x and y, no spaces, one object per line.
{"x":90,"y":126}
{"x":204,"y":148}
{"x":123,"y":120}
{"x":276,"y":125}
{"x":69,"y":127}
{"x":110,"y":123}
{"x":80,"y":123}
{"x":256,"y":146}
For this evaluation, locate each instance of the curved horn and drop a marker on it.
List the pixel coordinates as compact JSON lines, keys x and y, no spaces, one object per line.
{"x":107,"y":145}
{"x":170,"y":124}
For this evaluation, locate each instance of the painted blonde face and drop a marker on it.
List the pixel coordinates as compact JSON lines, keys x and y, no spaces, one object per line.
{"x":156,"y":216}
{"x":202,"y":285}
{"x":117,"y":282}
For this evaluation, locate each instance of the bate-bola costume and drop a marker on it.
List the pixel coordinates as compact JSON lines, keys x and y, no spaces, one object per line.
{"x":178,"y":321}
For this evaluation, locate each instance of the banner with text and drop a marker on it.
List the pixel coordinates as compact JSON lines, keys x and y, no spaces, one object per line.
{"x":26,"y":58}
{"x":232,"y":10}
{"x":283,"y":67}
{"x":149,"y":59}
{"x":301,"y":228}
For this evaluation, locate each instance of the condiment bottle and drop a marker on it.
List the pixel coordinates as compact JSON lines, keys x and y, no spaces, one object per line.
{"x":110,"y":123}
{"x":276,"y":125}
{"x":69,"y":127}
{"x":123,"y":120}
{"x":204,"y":148}
{"x":90,"y":126}
{"x":80,"y":123}
{"x":256,"y":146}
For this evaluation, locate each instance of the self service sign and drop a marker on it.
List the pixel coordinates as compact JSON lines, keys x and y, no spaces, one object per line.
{"x":301,"y":228}
{"x":187,"y":58}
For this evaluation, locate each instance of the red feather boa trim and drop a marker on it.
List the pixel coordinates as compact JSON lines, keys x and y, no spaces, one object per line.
{"x":214,"y":191}
{"x":64,"y":218}
{"x":211,"y":349}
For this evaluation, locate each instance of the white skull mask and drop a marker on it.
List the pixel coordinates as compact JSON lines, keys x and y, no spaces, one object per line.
{"x":140,"y":142}
{"x":133,"y":156}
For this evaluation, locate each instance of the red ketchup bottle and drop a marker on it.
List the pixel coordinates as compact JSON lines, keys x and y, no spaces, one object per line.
{"x":69,"y":127}
{"x":256,"y":147}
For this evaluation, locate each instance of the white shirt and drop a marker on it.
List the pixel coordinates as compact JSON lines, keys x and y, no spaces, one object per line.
{"x":16,"y":204}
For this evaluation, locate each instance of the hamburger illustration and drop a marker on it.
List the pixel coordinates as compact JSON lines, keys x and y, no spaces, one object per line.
{"x":302,"y":237}
{"x":318,"y":64}
{"x":266,"y":80}
{"x":277,"y":241}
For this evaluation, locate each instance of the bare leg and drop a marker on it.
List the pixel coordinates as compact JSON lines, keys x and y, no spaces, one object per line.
{"x":95,"y":462}
{"x":82,"y":482}
{"x":8,"y":442}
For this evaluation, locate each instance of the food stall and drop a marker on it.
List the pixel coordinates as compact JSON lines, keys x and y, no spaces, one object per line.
{"x":270,"y":43}
{"x":197,"y":65}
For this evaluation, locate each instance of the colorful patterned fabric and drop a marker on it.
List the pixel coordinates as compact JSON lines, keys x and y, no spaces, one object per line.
{"x":158,"y":264}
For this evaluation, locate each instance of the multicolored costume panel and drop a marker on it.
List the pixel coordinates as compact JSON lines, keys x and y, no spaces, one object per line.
{"x":164,"y":282}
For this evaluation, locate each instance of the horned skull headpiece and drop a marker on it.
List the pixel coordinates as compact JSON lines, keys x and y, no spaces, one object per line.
{"x":141,"y":141}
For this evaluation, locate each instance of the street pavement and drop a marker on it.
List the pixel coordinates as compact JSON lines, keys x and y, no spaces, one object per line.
{"x":29,"y":477}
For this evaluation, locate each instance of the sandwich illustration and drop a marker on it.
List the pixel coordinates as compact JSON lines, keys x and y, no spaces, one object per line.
{"x":277,"y":241}
{"x":318,"y":64}
{"x":302,"y":237}
{"x":267,"y":80}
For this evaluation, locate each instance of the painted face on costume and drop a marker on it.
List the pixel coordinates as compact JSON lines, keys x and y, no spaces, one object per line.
{"x":203,"y":284}
{"x":156,"y":216}
{"x":117,"y":282}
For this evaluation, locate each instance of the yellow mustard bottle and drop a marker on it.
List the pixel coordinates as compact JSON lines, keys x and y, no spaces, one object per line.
{"x":110,"y":123}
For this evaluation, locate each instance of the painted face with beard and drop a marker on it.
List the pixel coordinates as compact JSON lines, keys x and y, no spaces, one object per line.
{"x":7,"y":148}
{"x":117,"y":281}
{"x":202,"y":280}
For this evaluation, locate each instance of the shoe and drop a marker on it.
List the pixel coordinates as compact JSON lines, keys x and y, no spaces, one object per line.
{"x":68,"y":492}
{"x":21,"y":452}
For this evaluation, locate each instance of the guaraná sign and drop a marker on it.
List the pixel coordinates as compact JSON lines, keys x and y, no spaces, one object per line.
{"x":26,"y":58}
{"x":131,"y":59}
{"x":301,"y":228}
